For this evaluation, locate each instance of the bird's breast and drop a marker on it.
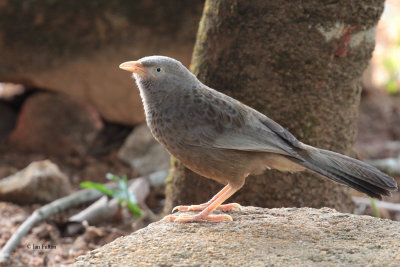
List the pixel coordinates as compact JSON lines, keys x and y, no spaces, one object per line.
{"x":163,"y":128}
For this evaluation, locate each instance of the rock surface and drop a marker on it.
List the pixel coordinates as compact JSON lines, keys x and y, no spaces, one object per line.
{"x":47,"y":44}
{"x":258,"y":237}
{"x":143,"y":152}
{"x":40,"y":182}
{"x":55,"y":124}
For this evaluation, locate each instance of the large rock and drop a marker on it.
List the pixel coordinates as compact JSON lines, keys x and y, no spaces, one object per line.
{"x":259,"y":237}
{"x":55,"y":124}
{"x":40,"y":182}
{"x":76,"y":47}
{"x":143,"y":153}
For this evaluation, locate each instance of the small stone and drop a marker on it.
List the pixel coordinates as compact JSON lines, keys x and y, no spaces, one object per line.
{"x":143,"y":153}
{"x":40,"y":182}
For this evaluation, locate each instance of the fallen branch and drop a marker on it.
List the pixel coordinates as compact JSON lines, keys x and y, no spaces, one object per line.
{"x":105,"y":208}
{"x":82,"y":196}
{"x":101,"y":210}
{"x":379,"y":204}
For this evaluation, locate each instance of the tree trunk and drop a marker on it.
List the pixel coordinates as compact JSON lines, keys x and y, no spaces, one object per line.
{"x":298,"y":62}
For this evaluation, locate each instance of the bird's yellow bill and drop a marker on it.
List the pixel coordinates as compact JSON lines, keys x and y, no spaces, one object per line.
{"x":133,"y":66}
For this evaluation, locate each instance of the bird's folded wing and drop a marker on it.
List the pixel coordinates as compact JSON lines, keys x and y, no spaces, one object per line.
{"x":225,"y":123}
{"x":257,"y":133}
{"x":258,"y":138}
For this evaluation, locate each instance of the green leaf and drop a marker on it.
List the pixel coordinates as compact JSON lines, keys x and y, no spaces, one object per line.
{"x":136,"y":211}
{"x":98,"y":187}
{"x":122,"y":194}
{"x":374,"y":208}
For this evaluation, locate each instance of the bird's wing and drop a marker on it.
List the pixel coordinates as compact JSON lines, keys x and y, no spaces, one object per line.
{"x":225,"y":123}
{"x":262,"y":135}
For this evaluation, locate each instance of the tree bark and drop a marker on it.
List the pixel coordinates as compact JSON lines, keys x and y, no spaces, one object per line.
{"x":298,"y":62}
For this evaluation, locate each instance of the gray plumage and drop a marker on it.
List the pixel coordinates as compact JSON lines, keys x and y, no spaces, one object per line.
{"x":225,"y":140}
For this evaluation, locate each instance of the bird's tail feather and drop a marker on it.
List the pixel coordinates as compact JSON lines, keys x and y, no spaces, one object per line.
{"x":345,"y":170}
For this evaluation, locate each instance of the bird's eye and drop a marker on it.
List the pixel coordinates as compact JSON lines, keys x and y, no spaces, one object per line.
{"x":158,"y":69}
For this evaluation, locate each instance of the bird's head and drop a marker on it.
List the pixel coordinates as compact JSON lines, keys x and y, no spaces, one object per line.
{"x":158,"y":71}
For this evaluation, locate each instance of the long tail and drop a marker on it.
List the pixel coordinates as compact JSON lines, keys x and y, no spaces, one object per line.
{"x":345,"y":170}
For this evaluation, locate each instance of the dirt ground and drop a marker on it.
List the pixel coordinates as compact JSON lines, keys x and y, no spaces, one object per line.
{"x":47,"y":245}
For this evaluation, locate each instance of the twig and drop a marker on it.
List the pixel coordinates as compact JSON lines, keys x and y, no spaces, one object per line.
{"x":79,"y":197}
{"x":101,"y":210}
{"x":104,"y":209}
{"x":379,"y":204}
{"x":46,"y":211}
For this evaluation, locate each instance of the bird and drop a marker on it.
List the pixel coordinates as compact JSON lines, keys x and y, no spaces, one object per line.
{"x":222,"y":139}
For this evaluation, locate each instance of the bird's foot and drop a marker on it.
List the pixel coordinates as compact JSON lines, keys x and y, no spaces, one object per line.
{"x":226,"y":207}
{"x":184,"y":218}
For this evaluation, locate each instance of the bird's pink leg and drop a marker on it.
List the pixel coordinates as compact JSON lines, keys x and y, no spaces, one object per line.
{"x":201,"y":207}
{"x":205,"y":214}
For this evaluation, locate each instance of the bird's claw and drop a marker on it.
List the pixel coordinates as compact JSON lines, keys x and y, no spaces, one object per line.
{"x":226,"y":207}
{"x":189,"y":208}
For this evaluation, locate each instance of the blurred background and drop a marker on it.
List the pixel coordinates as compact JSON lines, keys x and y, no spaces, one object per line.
{"x":65,"y":106}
